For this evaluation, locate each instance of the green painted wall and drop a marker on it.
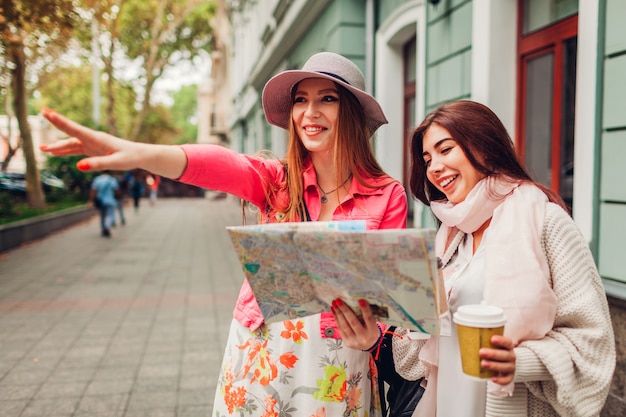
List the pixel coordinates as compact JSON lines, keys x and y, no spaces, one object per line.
{"x":448,"y":52}
{"x":615,"y":31}
{"x":612,"y":210}
{"x":340,"y":29}
{"x":387,"y":7}
{"x":448,"y":59}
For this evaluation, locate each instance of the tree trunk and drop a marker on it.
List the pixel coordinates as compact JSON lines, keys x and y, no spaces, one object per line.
{"x":151,"y":63}
{"x":110,"y":108}
{"x":34,"y":192}
{"x":7,"y":139}
{"x":143,"y":111}
{"x":10,"y":153}
{"x":111,"y":122}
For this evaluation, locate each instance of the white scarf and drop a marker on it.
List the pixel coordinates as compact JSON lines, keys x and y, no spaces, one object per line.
{"x":517,"y":275}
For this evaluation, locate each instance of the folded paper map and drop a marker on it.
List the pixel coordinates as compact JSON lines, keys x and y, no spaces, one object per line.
{"x":298,"y":269}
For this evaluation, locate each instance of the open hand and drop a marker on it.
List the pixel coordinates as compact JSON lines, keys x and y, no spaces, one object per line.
{"x":105,"y":151}
{"x":355,"y":333}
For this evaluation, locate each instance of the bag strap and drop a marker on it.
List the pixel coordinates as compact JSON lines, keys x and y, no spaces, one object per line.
{"x":450,"y":251}
{"x":306,"y":214}
{"x":381,"y":383}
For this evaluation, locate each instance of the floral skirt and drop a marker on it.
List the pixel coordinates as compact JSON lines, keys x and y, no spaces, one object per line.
{"x":288,"y":369}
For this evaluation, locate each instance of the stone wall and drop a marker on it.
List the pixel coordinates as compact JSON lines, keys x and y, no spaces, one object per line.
{"x":616,"y":403}
{"x":14,"y":234}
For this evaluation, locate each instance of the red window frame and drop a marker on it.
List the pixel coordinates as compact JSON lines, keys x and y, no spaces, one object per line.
{"x":532,"y":45}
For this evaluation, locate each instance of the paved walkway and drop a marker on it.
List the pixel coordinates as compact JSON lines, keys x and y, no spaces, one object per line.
{"x":129,"y":326}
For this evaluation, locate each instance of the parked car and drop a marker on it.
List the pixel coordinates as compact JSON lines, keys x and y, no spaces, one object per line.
{"x":16,"y":181}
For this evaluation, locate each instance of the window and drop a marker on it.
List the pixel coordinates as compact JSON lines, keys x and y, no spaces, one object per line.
{"x":546,"y":92}
{"x":409,"y":124}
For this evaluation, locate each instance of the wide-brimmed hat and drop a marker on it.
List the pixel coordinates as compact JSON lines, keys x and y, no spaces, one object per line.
{"x":277,"y":99}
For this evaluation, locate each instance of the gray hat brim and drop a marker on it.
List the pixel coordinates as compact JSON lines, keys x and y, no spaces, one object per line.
{"x":277,"y":104}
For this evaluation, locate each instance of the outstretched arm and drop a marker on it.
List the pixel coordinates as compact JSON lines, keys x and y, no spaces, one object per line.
{"x":105,"y":151}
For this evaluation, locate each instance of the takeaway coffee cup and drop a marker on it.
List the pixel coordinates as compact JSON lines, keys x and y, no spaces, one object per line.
{"x":475,"y":324}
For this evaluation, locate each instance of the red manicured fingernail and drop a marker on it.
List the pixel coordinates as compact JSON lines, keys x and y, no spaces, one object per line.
{"x":82,"y":165}
{"x":362,"y":302}
{"x":338,"y":302}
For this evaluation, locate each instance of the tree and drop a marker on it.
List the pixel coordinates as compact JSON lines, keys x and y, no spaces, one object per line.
{"x":5,"y":104}
{"x":148,"y":36}
{"x":101,"y":37}
{"x":159,"y":33}
{"x":185,"y":113}
{"x":68,"y":90}
{"x":158,"y":126}
{"x":64,"y":167}
{"x":6,"y":138}
{"x":26,"y":28}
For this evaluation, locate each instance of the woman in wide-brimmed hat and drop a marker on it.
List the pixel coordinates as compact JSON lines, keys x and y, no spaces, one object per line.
{"x":298,"y":367}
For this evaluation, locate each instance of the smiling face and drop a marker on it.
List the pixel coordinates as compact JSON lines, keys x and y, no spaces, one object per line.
{"x":315,"y":113}
{"x":447,"y":166}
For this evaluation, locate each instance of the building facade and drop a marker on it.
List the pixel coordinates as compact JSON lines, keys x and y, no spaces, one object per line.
{"x":551,"y":69}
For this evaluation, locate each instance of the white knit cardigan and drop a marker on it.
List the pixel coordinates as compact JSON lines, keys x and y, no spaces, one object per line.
{"x":569,"y":371}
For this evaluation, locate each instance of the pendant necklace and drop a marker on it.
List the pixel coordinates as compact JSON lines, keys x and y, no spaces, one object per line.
{"x":323,"y":198}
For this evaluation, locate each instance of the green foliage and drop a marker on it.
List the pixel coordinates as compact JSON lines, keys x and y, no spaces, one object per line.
{"x":4,"y":97}
{"x":68,"y":90}
{"x":13,"y":208}
{"x":158,"y":127}
{"x":43,"y":28}
{"x":7,"y":206}
{"x":188,"y":134}
{"x":41,"y":12}
{"x":181,"y":26}
{"x":124,"y":109}
{"x":78,"y":182}
{"x":32,"y":31}
{"x":185,"y":113}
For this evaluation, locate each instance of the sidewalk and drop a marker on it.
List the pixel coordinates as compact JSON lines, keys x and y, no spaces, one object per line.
{"x":129,"y":326}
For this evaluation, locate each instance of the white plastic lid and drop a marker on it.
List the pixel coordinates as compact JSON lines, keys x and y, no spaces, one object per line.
{"x":479,"y":315}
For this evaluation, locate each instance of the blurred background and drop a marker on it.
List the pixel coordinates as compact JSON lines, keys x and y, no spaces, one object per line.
{"x":183,"y":71}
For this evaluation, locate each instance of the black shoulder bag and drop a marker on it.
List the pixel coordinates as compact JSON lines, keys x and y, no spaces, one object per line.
{"x":306,"y":214}
{"x":402,"y":395}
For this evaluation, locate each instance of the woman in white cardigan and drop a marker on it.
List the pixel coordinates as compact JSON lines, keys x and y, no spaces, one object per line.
{"x":507,"y":241}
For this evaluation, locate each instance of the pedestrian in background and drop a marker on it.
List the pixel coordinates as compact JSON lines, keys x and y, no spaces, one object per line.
{"x":153,"y":182}
{"x":136,"y":188}
{"x":123,"y":190}
{"x":297,"y":367}
{"x":104,"y":194}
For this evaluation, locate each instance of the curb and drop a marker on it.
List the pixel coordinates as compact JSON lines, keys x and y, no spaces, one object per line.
{"x":15,"y":234}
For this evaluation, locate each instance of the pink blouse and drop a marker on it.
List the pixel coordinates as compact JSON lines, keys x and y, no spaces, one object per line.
{"x":246,"y":176}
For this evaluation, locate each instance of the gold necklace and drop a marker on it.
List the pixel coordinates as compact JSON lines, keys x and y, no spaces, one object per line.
{"x":323,"y":198}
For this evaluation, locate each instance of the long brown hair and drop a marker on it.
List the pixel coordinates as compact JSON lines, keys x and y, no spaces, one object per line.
{"x":353,"y":150}
{"x":484,"y":140}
